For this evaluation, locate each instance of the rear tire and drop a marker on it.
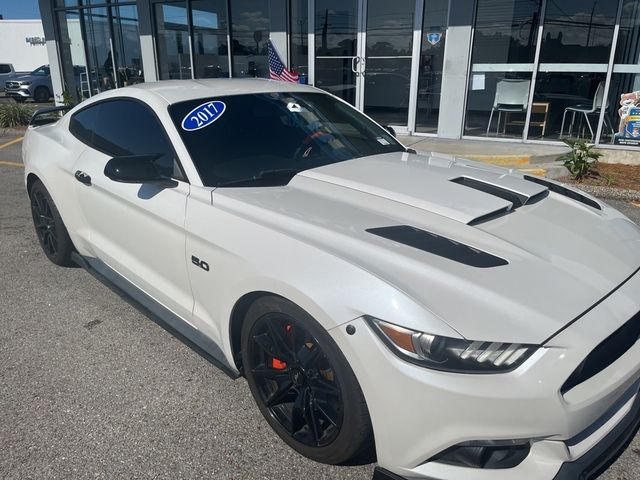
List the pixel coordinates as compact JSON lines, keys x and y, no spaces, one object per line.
{"x":303,"y":385}
{"x":50,"y":229}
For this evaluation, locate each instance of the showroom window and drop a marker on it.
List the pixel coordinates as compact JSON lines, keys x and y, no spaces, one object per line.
{"x":212,"y":38}
{"x":299,"y":37}
{"x":583,"y":57}
{"x":172,"y":40}
{"x":569,"y":93}
{"x":502,"y":64}
{"x":624,"y":92}
{"x":99,"y":45}
{"x":434,"y":32}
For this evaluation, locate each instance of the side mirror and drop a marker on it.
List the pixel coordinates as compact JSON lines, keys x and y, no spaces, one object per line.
{"x":390,"y":130}
{"x":137,"y":169}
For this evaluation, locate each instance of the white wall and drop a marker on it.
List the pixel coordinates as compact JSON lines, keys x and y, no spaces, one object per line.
{"x":14,"y":47}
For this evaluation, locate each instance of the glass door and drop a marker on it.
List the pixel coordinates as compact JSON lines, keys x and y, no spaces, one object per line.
{"x":337,"y":52}
{"x":363,"y":54}
{"x":385,"y":66}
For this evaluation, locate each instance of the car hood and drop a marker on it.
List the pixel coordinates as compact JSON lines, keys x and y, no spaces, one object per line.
{"x":561,"y":255}
{"x":23,"y":78}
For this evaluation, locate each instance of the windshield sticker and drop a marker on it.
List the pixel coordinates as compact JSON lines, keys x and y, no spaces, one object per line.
{"x":203,"y":115}
{"x":294,"y":107}
{"x":383,"y":141}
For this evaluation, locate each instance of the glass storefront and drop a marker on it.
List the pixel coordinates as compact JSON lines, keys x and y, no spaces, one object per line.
{"x":582,"y":57}
{"x":502,"y":63}
{"x":536,"y":70}
{"x":99,"y":46}
{"x":172,"y":41}
{"x":576,"y":45}
{"x":434,"y":35}
{"x":299,"y":37}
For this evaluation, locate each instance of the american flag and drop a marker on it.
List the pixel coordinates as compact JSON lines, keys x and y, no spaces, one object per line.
{"x":277,"y":70}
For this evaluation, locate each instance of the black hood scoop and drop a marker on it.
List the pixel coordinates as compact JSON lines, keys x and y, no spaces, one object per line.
{"x":516,"y":199}
{"x":438,"y":245}
{"x":567,"y":192}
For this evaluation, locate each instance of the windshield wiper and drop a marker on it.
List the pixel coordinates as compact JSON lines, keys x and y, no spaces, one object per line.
{"x":264,"y":174}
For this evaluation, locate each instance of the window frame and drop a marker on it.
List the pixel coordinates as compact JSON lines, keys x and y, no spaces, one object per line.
{"x":145,"y":105}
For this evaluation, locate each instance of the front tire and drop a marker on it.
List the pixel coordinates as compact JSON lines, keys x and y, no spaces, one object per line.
{"x":50,"y":229}
{"x":303,"y":385}
{"x":41,"y":95}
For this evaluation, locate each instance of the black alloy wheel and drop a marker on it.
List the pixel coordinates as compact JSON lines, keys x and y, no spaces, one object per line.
{"x":45,"y":223}
{"x":51,"y":231}
{"x":303,"y":385}
{"x":296,"y":380}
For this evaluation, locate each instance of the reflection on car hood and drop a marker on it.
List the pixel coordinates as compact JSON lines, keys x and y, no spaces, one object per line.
{"x":563,"y":255}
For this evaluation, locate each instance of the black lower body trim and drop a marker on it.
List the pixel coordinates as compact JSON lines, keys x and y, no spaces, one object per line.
{"x":194,"y":339}
{"x":381,"y":474}
{"x":607,"y":451}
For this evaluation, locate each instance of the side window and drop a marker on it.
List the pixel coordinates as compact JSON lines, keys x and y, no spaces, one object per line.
{"x":4,"y":68}
{"x":82,"y":124}
{"x":127,"y":127}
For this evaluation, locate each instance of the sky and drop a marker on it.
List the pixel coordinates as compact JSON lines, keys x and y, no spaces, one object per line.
{"x":14,"y":9}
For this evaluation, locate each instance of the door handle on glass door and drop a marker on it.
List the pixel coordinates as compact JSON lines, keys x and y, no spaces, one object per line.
{"x":354,"y":65}
{"x":83,"y":177}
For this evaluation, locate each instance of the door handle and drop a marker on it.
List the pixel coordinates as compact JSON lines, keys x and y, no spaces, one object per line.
{"x":354,"y":65}
{"x":362,"y":64}
{"x":83,"y":177}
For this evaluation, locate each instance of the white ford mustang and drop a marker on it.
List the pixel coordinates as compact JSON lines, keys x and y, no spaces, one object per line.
{"x":459,"y":320}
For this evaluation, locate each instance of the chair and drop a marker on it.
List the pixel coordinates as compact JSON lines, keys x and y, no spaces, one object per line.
{"x":511,"y":96}
{"x":587,"y":109}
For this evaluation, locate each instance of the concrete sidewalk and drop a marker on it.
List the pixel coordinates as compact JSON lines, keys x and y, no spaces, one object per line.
{"x":536,"y":159}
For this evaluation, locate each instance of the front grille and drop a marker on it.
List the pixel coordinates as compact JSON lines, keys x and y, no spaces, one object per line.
{"x":12,"y":85}
{"x":607,"y":352}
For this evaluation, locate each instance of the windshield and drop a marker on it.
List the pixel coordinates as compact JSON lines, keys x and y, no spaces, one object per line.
{"x":41,"y":71}
{"x":266,"y":138}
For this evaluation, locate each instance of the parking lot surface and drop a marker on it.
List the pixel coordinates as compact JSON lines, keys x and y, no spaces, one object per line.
{"x":91,"y":388}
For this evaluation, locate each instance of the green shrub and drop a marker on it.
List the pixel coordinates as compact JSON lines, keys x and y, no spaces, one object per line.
{"x":582,"y":160}
{"x":14,"y":115}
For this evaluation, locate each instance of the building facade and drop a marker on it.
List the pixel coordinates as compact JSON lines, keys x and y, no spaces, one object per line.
{"x":22,"y":44}
{"x":526,"y":70}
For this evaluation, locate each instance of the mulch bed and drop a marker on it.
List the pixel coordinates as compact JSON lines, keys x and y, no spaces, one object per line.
{"x":613,"y":175}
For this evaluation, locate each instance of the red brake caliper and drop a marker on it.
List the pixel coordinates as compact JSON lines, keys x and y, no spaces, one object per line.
{"x":276,"y":362}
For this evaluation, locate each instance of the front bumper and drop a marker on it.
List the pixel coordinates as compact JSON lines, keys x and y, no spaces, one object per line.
{"x":417,"y":413}
{"x":20,"y":93}
{"x":592,"y":463}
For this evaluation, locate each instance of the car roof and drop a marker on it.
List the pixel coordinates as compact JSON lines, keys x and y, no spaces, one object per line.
{"x":174,"y":91}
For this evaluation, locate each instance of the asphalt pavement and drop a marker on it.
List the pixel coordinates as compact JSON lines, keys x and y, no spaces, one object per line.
{"x":91,"y":388}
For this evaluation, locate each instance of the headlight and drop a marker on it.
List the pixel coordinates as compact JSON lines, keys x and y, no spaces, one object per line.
{"x":24,"y":84}
{"x":451,"y":354}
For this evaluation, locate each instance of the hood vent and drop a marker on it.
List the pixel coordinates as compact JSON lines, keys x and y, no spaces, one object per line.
{"x":516,"y":199}
{"x":559,"y":189}
{"x":437,"y":245}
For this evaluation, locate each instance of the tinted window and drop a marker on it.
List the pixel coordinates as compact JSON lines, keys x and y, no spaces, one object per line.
{"x":83,"y":122}
{"x":266,"y":138}
{"x":4,"y":68}
{"x":122,"y":128}
{"x":41,"y":71}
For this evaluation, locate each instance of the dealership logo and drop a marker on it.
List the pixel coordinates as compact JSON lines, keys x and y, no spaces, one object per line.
{"x":35,"y":40}
{"x":434,"y":38}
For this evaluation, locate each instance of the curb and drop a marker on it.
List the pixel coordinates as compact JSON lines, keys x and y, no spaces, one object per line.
{"x":501,"y":160}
